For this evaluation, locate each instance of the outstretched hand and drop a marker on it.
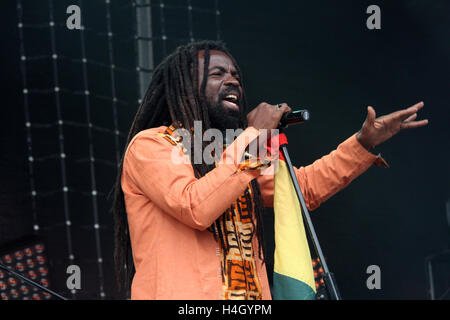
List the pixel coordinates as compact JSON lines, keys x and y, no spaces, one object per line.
{"x":377,"y":130}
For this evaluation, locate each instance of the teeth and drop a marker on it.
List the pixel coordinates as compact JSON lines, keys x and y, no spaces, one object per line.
{"x":231,"y":96}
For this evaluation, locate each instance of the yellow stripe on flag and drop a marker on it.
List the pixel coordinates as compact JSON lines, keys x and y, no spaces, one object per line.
{"x":292,"y":257}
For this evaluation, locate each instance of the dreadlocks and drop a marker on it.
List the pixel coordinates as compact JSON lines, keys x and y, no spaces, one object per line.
{"x":173,"y":96}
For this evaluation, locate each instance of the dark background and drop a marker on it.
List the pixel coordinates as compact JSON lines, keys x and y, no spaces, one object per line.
{"x":319,"y":55}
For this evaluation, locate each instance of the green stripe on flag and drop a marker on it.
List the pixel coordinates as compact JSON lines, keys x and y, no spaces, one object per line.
{"x":287,"y":288}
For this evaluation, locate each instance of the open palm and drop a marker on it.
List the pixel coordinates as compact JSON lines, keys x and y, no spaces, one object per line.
{"x":377,"y":130}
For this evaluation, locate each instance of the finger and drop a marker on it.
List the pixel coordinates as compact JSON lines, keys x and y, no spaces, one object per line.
{"x":371,"y":115}
{"x":418,"y":105}
{"x":405,"y":113}
{"x":411,"y":118}
{"x":285,"y":109}
{"x":414,"y":124}
{"x":278,"y":105}
{"x":281,"y":106}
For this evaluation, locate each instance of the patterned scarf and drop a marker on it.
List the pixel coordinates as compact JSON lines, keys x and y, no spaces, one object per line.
{"x":239,"y":277}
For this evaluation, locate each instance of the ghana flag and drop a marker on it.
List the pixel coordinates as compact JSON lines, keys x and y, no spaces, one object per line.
{"x":293,"y":277}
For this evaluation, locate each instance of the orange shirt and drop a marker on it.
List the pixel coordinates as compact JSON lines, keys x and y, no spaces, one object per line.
{"x":169,"y":210}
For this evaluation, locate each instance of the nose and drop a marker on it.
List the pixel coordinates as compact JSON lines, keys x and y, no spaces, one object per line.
{"x":230,"y":80}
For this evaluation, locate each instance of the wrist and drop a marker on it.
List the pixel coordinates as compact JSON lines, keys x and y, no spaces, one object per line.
{"x":363,"y":141}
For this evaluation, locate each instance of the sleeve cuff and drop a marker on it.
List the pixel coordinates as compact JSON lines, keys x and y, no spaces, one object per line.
{"x":234,"y":153}
{"x":377,"y":160}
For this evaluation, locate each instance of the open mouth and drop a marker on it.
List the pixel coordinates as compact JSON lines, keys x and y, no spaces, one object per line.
{"x":231,"y":101}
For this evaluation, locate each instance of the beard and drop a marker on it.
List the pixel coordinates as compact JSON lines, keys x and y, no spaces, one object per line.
{"x":222,"y":118}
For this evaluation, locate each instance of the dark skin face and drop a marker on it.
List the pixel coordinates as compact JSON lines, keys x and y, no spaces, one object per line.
{"x":224,"y":110}
{"x":223,"y":90}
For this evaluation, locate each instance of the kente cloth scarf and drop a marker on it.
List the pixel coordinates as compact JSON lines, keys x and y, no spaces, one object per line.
{"x":239,"y":277}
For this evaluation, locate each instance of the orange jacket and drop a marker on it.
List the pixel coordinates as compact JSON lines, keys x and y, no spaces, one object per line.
{"x":169,"y":210}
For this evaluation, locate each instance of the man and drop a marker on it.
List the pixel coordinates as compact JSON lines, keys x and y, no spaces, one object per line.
{"x":194,"y":230}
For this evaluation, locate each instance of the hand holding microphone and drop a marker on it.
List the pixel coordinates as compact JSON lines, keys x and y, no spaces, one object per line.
{"x":267,"y":116}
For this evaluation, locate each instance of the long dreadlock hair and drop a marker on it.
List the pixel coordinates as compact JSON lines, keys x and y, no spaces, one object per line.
{"x":173,"y":96}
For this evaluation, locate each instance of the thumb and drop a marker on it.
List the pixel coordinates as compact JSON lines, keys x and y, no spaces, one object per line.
{"x":370,"y":119}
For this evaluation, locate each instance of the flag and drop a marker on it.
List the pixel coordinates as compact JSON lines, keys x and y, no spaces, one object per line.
{"x":293,"y":277}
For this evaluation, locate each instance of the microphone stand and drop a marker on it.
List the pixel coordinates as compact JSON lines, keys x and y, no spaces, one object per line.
{"x":30,"y":282}
{"x":330,"y":282}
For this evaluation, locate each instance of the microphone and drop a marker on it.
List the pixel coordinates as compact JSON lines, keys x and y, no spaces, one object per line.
{"x":294,"y":117}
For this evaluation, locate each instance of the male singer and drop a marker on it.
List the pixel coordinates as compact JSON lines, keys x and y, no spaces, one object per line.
{"x":194,"y":230}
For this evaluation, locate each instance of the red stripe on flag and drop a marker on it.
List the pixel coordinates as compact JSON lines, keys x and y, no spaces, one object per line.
{"x":281,"y":139}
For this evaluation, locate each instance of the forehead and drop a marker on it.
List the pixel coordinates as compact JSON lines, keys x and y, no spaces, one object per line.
{"x":216,"y":59}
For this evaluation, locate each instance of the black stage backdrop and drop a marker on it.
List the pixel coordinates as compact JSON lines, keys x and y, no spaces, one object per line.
{"x":319,"y":55}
